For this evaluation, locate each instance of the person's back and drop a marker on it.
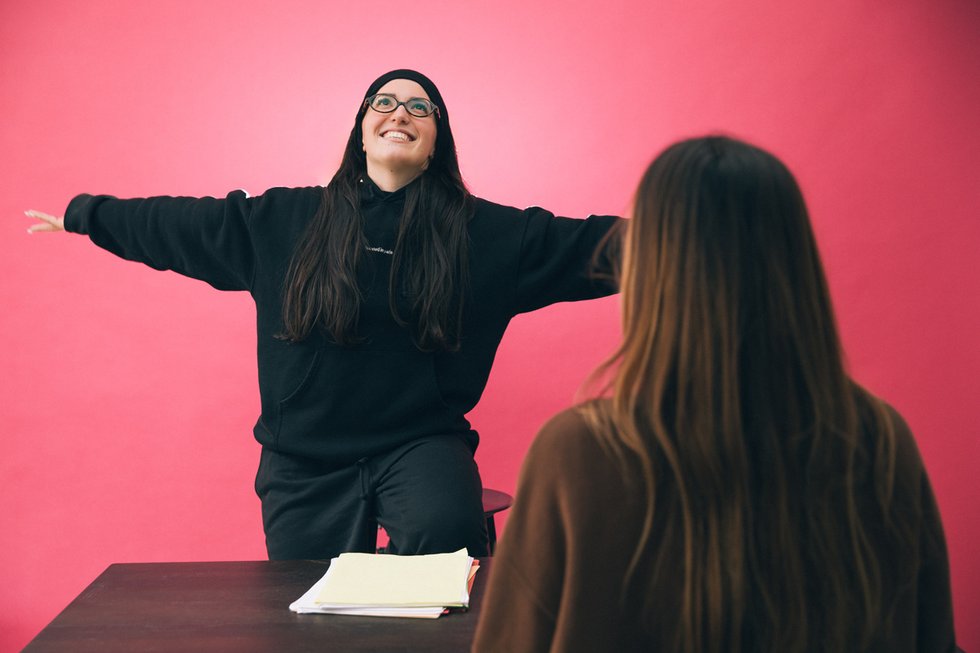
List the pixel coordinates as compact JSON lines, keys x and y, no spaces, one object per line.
{"x":736,"y":491}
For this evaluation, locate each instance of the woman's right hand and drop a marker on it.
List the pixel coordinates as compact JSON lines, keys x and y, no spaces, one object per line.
{"x":47,"y":222}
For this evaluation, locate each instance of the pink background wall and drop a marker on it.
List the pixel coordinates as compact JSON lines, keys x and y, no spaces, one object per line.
{"x":128,"y":395}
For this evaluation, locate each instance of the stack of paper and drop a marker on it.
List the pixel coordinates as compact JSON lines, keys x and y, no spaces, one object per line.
{"x":391,"y":585}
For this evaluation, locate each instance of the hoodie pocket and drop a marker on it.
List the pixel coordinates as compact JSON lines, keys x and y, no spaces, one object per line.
{"x":363,"y":393}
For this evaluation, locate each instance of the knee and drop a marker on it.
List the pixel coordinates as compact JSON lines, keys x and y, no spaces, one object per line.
{"x":441,"y":528}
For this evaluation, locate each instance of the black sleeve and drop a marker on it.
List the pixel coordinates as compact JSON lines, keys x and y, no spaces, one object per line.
{"x":558,"y":259}
{"x":204,"y":238}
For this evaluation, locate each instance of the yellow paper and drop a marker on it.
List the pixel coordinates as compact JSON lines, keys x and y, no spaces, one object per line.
{"x":365,"y":579}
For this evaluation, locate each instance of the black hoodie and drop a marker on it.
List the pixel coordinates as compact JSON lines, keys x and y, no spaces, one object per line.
{"x":339,"y":404}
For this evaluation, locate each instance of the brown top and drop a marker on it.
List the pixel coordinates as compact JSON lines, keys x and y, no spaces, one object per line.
{"x":557,"y":577}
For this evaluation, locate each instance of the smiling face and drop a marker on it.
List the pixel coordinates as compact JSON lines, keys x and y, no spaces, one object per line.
{"x":398,"y":145}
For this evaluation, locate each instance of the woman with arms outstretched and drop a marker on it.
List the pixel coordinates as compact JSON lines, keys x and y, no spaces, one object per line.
{"x":381,"y":300}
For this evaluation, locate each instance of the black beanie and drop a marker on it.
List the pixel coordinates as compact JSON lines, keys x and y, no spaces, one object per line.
{"x":444,"y":138}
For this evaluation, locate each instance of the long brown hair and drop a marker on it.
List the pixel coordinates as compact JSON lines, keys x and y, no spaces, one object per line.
{"x":429,"y":265}
{"x":729,"y":391}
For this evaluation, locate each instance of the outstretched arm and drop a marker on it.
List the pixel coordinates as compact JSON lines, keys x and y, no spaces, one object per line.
{"x":558,"y":256}
{"x":46,"y":222}
{"x":204,"y":238}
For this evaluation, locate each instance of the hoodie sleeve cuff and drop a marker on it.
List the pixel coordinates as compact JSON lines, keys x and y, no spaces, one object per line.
{"x":79,"y":212}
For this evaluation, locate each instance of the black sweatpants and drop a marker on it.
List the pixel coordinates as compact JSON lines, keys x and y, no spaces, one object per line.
{"x":426,"y":494}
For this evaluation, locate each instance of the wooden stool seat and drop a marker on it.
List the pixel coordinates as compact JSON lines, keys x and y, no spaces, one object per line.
{"x":493,"y":502}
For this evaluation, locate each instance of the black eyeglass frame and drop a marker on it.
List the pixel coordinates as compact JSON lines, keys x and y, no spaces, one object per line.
{"x":369,"y":103}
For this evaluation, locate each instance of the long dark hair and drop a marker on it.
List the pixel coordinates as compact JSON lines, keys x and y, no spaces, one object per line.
{"x":429,"y":266}
{"x":729,"y":392}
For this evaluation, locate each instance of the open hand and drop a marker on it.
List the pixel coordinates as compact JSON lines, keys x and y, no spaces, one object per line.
{"x":47,"y":222}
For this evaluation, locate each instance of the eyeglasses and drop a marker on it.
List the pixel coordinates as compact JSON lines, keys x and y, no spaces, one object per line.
{"x":385,"y":103}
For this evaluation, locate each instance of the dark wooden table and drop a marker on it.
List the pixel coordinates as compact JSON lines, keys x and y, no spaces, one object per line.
{"x":235,"y":606}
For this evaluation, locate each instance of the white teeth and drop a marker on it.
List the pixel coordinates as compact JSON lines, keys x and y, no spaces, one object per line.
{"x":396,"y":136}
